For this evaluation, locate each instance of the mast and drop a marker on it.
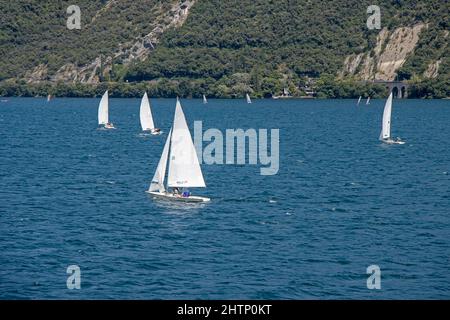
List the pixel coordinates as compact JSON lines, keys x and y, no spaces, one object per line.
{"x":386,"y":125}
{"x":184,"y":167}
{"x":146,"y":114}
{"x":103,"y":117}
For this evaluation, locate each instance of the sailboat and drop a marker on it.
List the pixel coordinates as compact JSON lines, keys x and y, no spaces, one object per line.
{"x":146,"y":117}
{"x":103,"y":112}
{"x":385,"y":134}
{"x":183,"y":166}
{"x":368,"y":101}
{"x":359,"y":100}
{"x":248,"y":98}
{"x":49,"y":98}
{"x":204,"y":100}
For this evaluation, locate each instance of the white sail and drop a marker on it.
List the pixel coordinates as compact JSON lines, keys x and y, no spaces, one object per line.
{"x":368,"y":101}
{"x":386,"y":129}
{"x":184,"y":167}
{"x":146,"y":114}
{"x":204,"y":99}
{"x":359,"y":100}
{"x":158,"y":179}
{"x":248,"y":99}
{"x":103,"y":109}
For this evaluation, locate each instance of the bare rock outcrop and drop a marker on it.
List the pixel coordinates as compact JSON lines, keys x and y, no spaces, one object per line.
{"x":390,"y":53}
{"x":137,"y":49}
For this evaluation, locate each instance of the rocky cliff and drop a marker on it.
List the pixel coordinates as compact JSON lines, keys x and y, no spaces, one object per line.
{"x":389,"y":55}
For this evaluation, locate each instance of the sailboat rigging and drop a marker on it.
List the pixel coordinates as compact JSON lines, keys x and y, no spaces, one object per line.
{"x":184,"y":169}
{"x":385,"y":134}
{"x":146,"y":117}
{"x":103,"y":112}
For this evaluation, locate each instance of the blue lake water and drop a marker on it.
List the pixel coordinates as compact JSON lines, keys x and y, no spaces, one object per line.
{"x":74,"y":195}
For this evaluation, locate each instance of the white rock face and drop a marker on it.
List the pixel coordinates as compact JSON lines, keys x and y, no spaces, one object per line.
{"x":389,"y":55}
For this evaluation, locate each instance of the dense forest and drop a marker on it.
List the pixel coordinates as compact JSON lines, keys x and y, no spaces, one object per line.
{"x":224,"y":48}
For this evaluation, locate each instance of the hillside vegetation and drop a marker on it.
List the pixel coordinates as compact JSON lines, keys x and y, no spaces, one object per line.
{"x":223,"y":49}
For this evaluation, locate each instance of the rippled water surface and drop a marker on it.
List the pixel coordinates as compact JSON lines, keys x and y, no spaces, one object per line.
{"x":74,"y":195}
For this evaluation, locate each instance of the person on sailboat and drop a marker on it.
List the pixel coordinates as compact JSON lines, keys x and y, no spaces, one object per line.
{"x":109,"y":125}
{"x":176,"y":191}
{"x":156,"y":130}
{"x":186,"y":193}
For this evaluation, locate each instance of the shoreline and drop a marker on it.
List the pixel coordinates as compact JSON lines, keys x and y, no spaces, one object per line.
{"x":5,"y":98}
{"x":187,"y":88}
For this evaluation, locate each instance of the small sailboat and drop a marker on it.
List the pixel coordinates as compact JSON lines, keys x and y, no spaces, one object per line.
{"x":359,"y":100}
{"x":49,"y":98}
{"x":103,"y":113}
{"x":248,"y":98}
{"x":385,"y":134}
{"x":147,"y":117}
{"x":205,"y":101}
{"x":183,"y":166}
{"x":368,"y":101}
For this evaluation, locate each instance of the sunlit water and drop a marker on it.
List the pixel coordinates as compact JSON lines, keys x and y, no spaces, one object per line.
{"x":74,"y":195}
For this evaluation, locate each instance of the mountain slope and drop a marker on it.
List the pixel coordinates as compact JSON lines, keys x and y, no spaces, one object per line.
{"x":37,"y":45}
{"x":225,"y":48}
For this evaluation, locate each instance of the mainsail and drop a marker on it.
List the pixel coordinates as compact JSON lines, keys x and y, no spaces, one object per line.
{"x":103,"y":110}
{"x":205,"y":101}
{"x":248,"y":99}
{"x":184,"y":167}
{"x":386,"y":129}
{"x":359,"y":100}
{"x":158,"y":179}
{"x":146,"y":114}
{"x":368,"y":101}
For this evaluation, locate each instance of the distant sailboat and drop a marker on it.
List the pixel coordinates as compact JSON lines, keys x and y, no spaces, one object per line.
{"x":368,"y":101}
{"x":248,"y":98}
{"x":359,"y":100}
{"x":205,"y":101}
{"x":147,"y":117}
{"x":385,"y":134}
{"x":184,"y":168}
{"x":49,"y":98}
{"x":103,"y":112}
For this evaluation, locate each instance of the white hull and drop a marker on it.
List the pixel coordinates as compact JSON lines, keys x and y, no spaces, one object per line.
{"x":172,"y":197}
{"x":107,"y":127}
{"x":390,"y":141}
{"x":153,"y":132}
